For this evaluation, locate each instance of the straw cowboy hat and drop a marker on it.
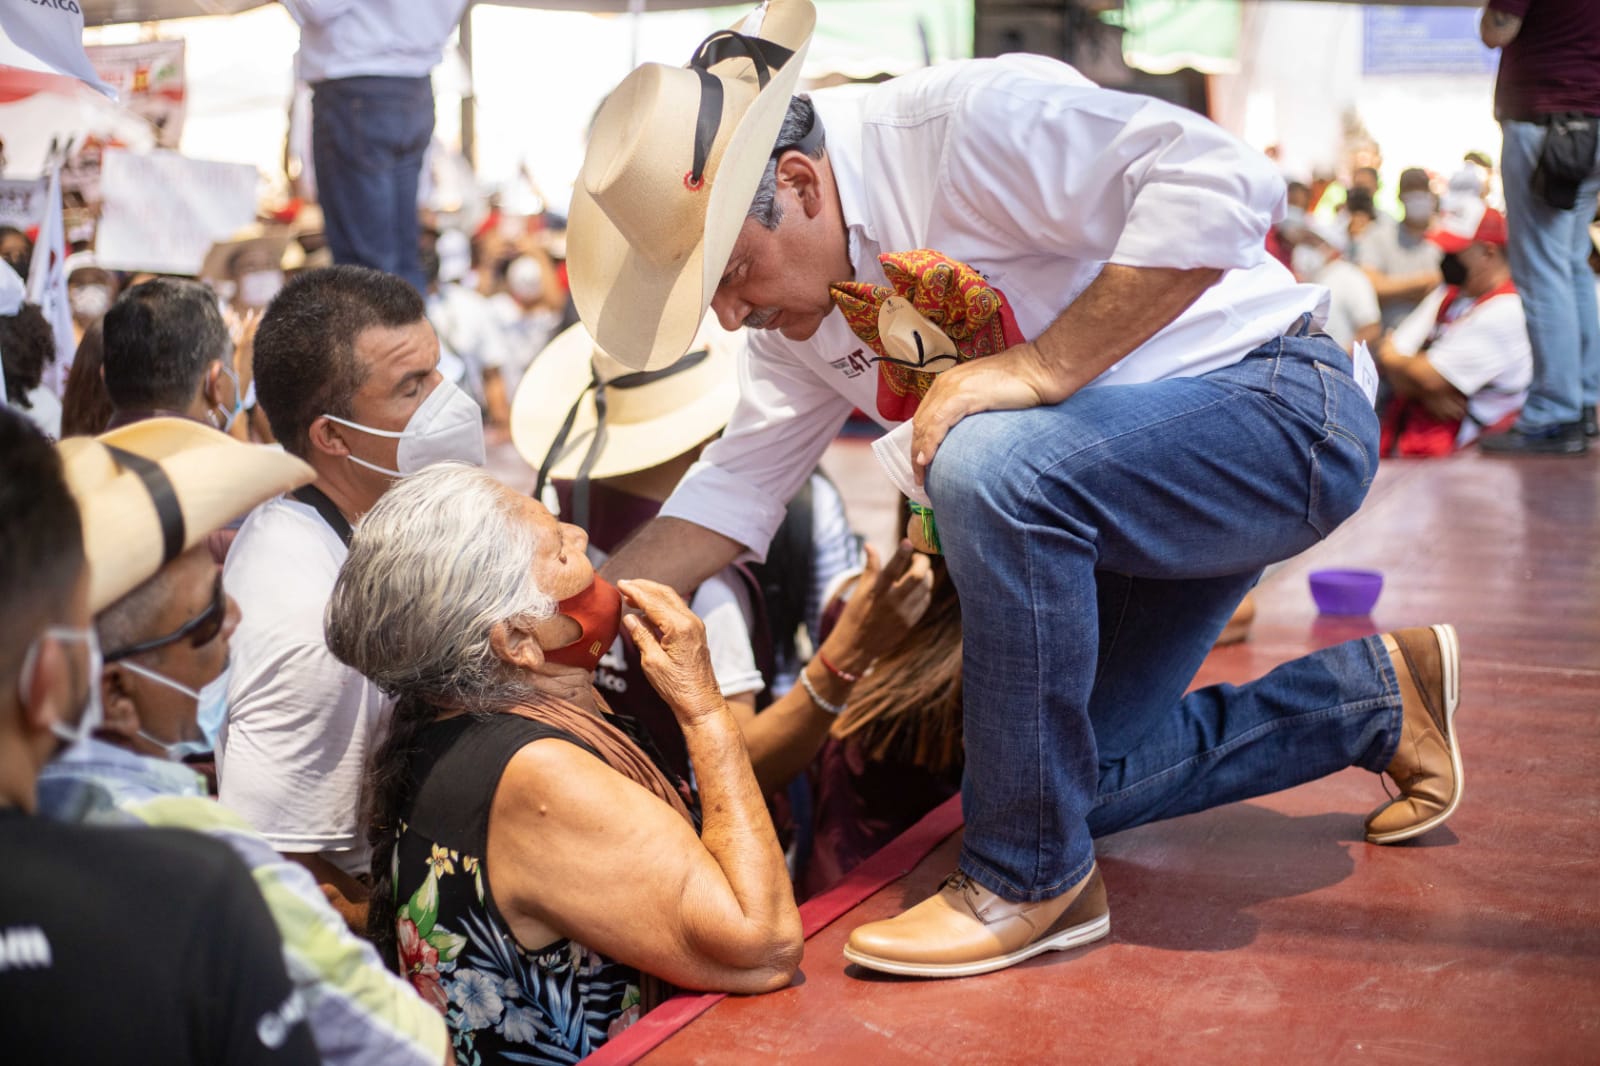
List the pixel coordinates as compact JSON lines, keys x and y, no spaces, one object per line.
{"x":273,"y":242}
{"x":149,"y":491}
{"x":650,"y":416}
{"x":674,"y":160}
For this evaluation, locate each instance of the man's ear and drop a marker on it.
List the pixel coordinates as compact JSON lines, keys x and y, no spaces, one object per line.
{"x":211,"y":384}
{"x":515,"y":647}
{"x":116,"y":700}
{"x":47,"y":693}
{"x":326,"y":436}
{"x":803,"y":175}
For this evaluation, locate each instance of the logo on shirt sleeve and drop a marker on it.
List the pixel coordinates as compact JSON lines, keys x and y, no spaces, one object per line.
{"x":853,"y":365}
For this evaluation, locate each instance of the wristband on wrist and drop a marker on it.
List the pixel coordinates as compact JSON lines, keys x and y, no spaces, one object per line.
{"x":834,"y":709}
{"x":847,"y":678}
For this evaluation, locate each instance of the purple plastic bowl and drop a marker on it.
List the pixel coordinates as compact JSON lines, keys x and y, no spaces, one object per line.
{"x":1346,"y":591}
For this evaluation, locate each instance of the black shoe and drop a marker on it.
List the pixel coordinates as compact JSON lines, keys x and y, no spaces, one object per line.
{"x":1589,"y":427}
{"x":1564,"y":439}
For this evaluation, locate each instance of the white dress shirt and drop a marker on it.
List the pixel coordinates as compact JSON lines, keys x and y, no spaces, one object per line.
{"x":1029,"y":173}
{"x":366,"y":38}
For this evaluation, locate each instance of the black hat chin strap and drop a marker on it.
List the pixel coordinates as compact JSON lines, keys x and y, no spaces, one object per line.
{"x":767,"y":57}
{"x":162,"y":495}
{"x":580,"y":484}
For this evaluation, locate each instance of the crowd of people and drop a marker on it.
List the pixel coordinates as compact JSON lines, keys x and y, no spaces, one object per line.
{"x":388,"y":762}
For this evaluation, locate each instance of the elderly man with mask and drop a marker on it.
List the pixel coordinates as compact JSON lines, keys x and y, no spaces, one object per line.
{"x":346,"y":370}
{"x":1150,"y":423}
{"x":164,"y":623}
{"x":116,"y":945}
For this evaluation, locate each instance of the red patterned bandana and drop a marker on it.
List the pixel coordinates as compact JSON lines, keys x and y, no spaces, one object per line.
{"x":952,"y":296}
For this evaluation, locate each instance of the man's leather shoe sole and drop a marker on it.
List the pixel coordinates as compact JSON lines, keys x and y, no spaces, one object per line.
{"x":1450,"y":660}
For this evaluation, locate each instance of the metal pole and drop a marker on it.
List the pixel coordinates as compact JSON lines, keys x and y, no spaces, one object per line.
{"x":469,"y":99}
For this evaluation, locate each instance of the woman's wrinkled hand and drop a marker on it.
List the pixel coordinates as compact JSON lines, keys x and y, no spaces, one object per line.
{"x":672,"y":649}
{"x":888,"y":601}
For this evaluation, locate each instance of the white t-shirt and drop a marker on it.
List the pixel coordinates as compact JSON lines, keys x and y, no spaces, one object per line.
{"x":1026,"y":171}
{"x":1353,"y":302}
{"x":1482,"y":349}
{"x":300,"y":724}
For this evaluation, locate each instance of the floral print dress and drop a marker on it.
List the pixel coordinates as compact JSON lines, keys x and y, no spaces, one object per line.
{"x":503,"y":1003}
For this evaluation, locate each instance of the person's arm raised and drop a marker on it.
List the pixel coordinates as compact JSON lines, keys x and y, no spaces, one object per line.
{"x":673,"y":552}
{"x":578,"y":850}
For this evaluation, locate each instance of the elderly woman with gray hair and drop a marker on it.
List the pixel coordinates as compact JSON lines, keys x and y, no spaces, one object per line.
{"x":537,"y":876}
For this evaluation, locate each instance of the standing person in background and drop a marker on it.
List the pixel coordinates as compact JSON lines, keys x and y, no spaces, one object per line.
{"x":1547,"y":98}
{"x":1402,"y":263}
{"x":367,"y":62}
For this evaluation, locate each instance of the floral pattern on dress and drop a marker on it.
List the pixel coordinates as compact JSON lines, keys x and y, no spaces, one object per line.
{"x":501,"y":1002}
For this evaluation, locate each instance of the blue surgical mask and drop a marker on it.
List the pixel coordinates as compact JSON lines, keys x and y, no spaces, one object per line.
{"x":230,"y":417}
{"x":211,"y":708}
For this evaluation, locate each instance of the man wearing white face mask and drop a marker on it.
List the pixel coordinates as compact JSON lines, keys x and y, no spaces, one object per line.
{"x":165,"y":623}
{"x":346,"y":369}
{"x":168,"y":352}
{"x":82,"y":908}
{"x":1402,"y":264}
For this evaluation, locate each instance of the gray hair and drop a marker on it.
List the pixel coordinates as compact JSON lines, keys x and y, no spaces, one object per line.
{"x":796,"y":123}
{"x":443,"y":558}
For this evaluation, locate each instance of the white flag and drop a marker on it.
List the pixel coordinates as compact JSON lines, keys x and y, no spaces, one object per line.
{"x":47,"y":284}
{"x":48,"y":38}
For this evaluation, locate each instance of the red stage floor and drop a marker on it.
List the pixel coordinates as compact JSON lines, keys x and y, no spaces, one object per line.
{"x":1268,"y":931}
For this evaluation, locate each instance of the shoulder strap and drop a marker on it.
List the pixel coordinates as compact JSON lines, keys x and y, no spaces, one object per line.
{"x":316,"y":499}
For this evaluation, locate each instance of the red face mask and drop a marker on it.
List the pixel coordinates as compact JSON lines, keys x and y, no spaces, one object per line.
{"x":598,"y":609}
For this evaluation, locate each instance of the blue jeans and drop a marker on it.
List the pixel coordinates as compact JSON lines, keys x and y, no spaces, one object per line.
{"x":1099,"y":547}
{"x":368,"y":138}
{"x":1549,"y":253}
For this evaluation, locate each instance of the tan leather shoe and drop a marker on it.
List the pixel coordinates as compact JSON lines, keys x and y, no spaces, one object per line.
{"x":1427,"y":762}
{"x":965,"y":929}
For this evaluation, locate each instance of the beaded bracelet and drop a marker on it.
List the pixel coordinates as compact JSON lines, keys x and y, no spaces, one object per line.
{"x":834,"y":709}
{"x":930,"y":531}
{"x":847,"y":678}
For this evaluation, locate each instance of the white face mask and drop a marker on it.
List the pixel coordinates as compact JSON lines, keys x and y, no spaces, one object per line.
{"x":211,"y":707}
{"x":1418,"y":205}
{"x":89,"y":302}
{"x":93,"y":713}
{"x":257,"y":288}
{"x":1305,"y":260}
{"x":447,"y":426}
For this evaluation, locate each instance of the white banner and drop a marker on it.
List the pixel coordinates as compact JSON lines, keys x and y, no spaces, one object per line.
{"x":47,"y":284}
{"x":149,"y":80}
{"x":22,"y":203}
{"x":162,"y":211}
{"x":46,"y":35}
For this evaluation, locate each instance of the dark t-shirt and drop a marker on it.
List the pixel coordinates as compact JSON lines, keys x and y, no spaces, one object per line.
{"x":138,"y":945}
{"x":1553,"y":65}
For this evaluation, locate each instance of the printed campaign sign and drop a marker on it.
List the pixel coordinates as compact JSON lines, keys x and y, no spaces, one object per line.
{"x":22,"y":203}
{"x":149,"y":79}
{"x":162,"y":211}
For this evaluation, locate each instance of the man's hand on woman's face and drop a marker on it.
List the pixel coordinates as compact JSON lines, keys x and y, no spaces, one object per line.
{"x":672,"y":649}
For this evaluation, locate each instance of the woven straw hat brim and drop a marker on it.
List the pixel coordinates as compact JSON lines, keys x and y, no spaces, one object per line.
{"x":214,"y":477}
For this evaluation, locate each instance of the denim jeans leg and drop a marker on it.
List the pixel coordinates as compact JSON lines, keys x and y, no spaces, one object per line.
{"x":1192,"y":482}
{"x":1548,"y":250}
{"x":369,"y":136}
{"x":1331,"y":709}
